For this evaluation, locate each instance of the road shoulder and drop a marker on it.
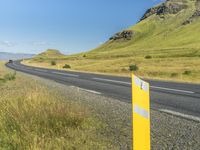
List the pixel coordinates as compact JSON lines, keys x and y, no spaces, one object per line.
{"x":167,"y":131}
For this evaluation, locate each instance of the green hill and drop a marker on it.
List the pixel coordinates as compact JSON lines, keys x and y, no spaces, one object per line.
{"x":164,"y":44}
{"x":50,"y":53}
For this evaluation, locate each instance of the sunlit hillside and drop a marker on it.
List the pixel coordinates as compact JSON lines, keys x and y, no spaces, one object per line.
{"x":164,"y":44}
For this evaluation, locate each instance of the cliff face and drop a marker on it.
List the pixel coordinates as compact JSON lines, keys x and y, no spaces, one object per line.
{"x":124,"y":35}
{"x":169,"y":7}
{"x":195,"y":15}
{"x":174,"y":7}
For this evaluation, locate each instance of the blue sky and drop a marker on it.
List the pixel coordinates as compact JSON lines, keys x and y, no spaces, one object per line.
{"x":71,"y":26}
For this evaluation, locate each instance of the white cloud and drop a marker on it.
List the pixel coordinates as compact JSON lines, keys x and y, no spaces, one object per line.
{"x":41,"y":43}
{"x":7,"y":43}
{"x":100,"y":43}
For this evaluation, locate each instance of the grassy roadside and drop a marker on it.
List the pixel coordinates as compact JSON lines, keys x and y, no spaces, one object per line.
{"x":6,"y":75}
{"x":181,"y":69}
{"x":32,"y":117}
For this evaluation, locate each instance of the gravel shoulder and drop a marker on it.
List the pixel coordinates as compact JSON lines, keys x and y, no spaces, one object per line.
{"x":167,"y":131}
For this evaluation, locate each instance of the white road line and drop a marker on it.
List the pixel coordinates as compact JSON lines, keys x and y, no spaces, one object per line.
{"x":155,"y":87}
{"x":101,"y":79}
{"x":194,"y":118}
{"x":169,"y":89}
{"x":40,"y":70}
{"x":91,"y":91}
{"x":66,"y":74}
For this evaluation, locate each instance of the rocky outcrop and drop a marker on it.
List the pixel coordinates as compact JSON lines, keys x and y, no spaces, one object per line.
{"x":195,"y":15}
{"x":125,"y":35}
{"x":165,"y":8}
{"x":192,"y":18}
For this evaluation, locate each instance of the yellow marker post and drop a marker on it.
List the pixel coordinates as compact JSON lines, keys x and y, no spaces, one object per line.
{"x":141,"y":114}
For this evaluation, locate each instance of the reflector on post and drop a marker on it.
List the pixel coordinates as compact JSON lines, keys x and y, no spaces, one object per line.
{"x":141,"y":114}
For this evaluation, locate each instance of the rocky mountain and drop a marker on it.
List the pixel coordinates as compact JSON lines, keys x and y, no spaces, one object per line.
{"x":172,"y":23}
{"x":164,"y":43}
{"x":169,"y":7}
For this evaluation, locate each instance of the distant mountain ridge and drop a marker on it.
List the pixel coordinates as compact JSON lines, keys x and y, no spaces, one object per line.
{"x":14,"y":56}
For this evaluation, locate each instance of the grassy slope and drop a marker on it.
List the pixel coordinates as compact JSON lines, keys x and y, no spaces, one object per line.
{"x":34,"y":117}
{"x":50,"y":53}
{"x":174,"y":48}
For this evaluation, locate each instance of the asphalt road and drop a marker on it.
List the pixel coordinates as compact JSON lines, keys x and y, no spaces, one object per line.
{"x":180,"y":99}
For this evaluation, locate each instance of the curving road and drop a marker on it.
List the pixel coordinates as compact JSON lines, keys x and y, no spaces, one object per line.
{"x":180,"y":99}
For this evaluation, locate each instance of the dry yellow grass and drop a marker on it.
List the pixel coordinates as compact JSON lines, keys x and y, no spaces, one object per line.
{"x":155,"y":68}
{"x":35,"y":117}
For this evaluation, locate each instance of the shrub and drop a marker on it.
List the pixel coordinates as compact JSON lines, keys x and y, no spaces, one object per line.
{"x":2,"y":80}
{"x":187,"y":72}
{"x":9,"y":76}
{"x":133,"y":67}
{"x":174,"y":74}
{"x":148,"y":57}
{"x":53,"y":63}
{"x":84,"y":55}
{"x":124,"y":70}
{"x":66,"y":66}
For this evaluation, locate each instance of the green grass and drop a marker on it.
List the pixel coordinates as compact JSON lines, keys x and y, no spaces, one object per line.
{"x":6,"y":75}
{"x":34,"y":117}
{"x":66,"y":66}
{"x":53,"y":63}
{"x":50,"y":53}
{"x":173,"y":47}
